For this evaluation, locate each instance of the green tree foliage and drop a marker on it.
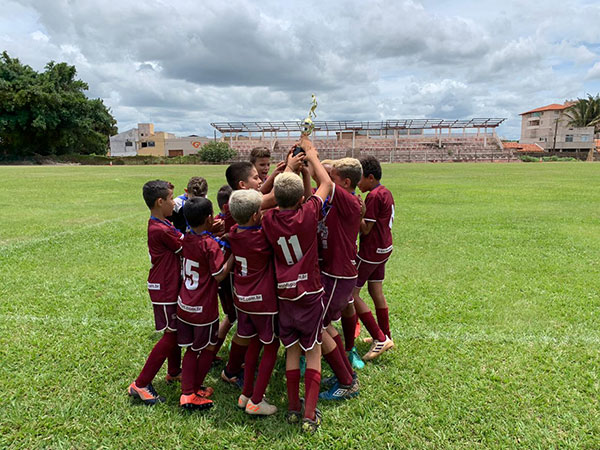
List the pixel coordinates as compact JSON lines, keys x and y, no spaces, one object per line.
{"x":48,"y":113}
{"x":585,"y":112}
{"x":216,"y":152}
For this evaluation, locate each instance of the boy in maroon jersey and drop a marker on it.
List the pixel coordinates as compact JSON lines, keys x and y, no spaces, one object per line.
{"x":255,"y":298}
{"x":338,"y":231}
{"x":164,"y":245}
{"x":241,"y":176}
{"x":204,"y":266}
{"x":292,"y":231}
{"x":222,"y":199}
{"x":375,"y":249}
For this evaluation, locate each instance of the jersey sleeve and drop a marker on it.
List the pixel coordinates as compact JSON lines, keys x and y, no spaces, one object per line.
{"x":371,"y":208}
{"x":216,"y":259}
{"x":173,"y":240}
{"x":315,"y":204}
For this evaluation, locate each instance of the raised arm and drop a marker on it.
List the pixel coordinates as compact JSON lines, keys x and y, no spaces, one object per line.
{"x":321,"y":175}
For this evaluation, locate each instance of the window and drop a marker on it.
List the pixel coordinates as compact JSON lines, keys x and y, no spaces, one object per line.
{"x":150,"y":143}
{"x":585,"y":138}
{"x":534,"y":123}
{"x":569,"y":138}
{"x":144,"y":144}
{"x":536,"y":114}
{"x":556,"y":113}
{"x":128,"y":144}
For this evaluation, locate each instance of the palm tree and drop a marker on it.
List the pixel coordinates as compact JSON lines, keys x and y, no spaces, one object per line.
{"x":585,"y":112}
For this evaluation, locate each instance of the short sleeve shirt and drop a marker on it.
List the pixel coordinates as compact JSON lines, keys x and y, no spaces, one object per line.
{"x":338,"y":231}
{"x":293,"y":236}
{"x":376,"y":247}
{"x":164,"y":246}
{"x":203,"y":259}
{"x":254,"y":272}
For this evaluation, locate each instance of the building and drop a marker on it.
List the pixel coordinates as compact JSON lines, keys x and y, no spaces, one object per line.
{"x":548,"y":126}
{"x":143,"y":140}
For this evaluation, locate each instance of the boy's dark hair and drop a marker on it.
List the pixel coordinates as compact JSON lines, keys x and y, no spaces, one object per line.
{"x":223,"y":195}
{"x":155,"y":189}
{"x":238,"y":171}
{"x":371,"y":166}
{"x":259,"y":152}
{"x":197,"y":187}
{"x":196,"y":210}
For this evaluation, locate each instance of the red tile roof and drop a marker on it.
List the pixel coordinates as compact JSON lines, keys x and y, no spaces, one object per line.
{"x":517,"y":146}
{"x":552,"y":107}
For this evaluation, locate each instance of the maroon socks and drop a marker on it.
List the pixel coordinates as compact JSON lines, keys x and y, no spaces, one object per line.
{"x":160,"y":352}
{"x":250,"y":368}
{"x":369,"y":322}
{"x":237,"y":353}
{"x":174,"y":361}
{"x":292,"y":380}
{"x":203,"y":365}
{"x":344,"y":357}
{"x":312,"y":381}
{"x":349,"y":327}
{"x":340,"y":370}
{"x":188,"y":372}
{"x":383,"y":320}
{"x":265,"y":369}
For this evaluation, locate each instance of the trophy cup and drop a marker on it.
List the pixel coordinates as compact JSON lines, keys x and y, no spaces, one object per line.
{"x":308,"y":125}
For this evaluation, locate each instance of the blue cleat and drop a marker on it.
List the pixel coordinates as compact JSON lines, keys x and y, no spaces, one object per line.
{"x":341,"y":392}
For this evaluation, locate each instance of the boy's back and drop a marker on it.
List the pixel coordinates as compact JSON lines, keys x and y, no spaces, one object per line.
{"x":202,"y":261}
{"x":164,"y":246}
{"x":293,"y":235}
{"x":376,"y":247}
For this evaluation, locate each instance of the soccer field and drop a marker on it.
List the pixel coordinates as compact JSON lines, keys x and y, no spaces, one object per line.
{"x":494,"y":289}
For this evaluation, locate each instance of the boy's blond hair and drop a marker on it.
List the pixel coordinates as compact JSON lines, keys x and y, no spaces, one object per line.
{"x":329,"y":162}
{"x":349,"y":168}
{"x":243,"y":204}
{"x":288,"y":189}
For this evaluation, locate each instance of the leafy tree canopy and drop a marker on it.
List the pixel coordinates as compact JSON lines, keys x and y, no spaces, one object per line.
{"x":216,"y":152}
{"x":48,"y":113}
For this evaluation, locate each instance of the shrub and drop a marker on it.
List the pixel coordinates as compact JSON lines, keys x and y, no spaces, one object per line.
{"x":216,"y":152}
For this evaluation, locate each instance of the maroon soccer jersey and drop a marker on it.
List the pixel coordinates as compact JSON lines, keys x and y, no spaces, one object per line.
{"x":337,"y":234}
{"x":293,"y":235}
{"x":254,"y":272}
{"x":202,"y":260}
{"x":376,"y":246}
{"x":164,"y":246}
{"x":227,"y":218}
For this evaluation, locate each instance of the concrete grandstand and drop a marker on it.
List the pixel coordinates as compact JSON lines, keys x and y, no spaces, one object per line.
{"x":408,"y":140}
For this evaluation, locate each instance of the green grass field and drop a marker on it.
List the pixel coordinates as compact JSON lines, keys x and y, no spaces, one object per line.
{"x":494,"y":290}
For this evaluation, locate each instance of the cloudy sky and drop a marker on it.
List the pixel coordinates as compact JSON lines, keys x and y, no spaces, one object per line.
{"x":183,"y":64}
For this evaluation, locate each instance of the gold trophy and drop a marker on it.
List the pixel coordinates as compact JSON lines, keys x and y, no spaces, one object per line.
{"x":308,"y":125}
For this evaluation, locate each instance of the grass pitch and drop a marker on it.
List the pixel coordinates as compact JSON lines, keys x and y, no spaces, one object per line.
{"x":493,"y":286}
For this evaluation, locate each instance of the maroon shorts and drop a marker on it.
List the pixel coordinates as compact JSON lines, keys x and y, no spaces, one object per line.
{"x":197,"y":336}
{"x":165,"y":317}
{"x":338,"y":293}
{"x":369,"y":272}
{"x":226,"y":297}
{"x":302,"y":321}
{"x":262,"y":325}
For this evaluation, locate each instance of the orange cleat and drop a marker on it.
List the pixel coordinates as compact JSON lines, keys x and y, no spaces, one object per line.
{"x":193,"y":401}
{"x":146,"y":394}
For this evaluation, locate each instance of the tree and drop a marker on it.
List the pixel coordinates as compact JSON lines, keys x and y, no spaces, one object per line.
{"x":48,"y":113}
{"x":216,"y":152}
{"x":585,"y":112}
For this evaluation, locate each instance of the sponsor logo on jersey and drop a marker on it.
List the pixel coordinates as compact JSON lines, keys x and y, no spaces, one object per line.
{"x":153,"y":286}
{"x":385,"y":250}
{"x":250,"y":298}
{"x":292,"y":284}
{"x":188,"y":308}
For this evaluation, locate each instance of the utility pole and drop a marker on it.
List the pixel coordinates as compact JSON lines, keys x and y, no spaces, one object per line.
{"x":555,"y":130}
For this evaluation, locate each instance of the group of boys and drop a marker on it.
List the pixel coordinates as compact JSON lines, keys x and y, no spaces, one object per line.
{"x":282,"y":257}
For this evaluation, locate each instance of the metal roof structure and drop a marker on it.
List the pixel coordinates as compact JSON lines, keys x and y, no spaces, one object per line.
{"x":353,"y":125}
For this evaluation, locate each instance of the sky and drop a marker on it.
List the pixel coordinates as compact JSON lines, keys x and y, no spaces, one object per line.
{"x":184,"y":64}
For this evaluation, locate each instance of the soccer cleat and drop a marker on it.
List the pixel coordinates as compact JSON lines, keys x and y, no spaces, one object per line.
{"x":311,"y":426}
{"x":205,"y":391}
{"x":235,"y":380}
{"x":341,"y":392}
{"x":329,"y":381}
{"x":193,"y":401}
{"x":294,"y":417}
{"x":170,"y":379}
{"x":146,"y":394}
{"x":355,"y":360}
{"x":242,"y":401}
{"x":377,"y":348}
{"x":260,"y":409}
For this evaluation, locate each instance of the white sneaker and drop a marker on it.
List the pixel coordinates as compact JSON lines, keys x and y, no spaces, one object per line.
{"x":261,"y":409}
{"x":377,"y":348}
